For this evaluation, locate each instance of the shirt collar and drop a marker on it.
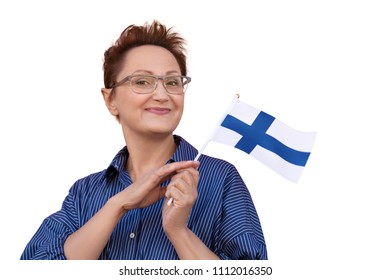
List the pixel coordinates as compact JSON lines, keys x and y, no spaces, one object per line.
{"x":185,"y":151}
{"x":118,"y":163}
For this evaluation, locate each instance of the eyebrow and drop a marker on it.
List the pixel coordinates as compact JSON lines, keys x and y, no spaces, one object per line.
{"x":151,"y":73}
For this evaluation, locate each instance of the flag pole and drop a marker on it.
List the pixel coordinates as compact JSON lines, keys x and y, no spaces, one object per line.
{"x":214,"y":131}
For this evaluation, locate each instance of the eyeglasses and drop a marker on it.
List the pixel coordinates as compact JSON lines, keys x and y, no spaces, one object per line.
{"x":144,"y":84}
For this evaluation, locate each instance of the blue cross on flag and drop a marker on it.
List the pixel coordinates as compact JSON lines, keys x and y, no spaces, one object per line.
{"x":280,"y":147}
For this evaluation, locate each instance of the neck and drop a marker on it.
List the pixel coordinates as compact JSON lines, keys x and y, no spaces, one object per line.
{"x":148,"y":153}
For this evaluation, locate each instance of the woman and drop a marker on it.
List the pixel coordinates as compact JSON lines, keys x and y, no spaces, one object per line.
{"x":122,"y":211}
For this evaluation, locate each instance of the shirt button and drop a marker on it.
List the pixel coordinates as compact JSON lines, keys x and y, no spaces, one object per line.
{"x":132,"y":235}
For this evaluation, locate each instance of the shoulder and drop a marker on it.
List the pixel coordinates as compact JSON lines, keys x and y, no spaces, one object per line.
{"x":105,"y":176}
{"x":218,"y":169}
{"x":215,"y":163}
{"x":212,"y":163}
{"x":88,"y":182}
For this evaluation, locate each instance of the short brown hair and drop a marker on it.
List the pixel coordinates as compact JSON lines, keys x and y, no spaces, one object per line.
{"x":135,"y":36}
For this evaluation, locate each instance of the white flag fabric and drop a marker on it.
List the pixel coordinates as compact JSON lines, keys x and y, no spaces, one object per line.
{"x":280,"y":147}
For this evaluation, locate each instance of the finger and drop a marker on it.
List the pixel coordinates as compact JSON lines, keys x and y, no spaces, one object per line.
{"x":157,"y":176}
{"x":176,"y":196}
{"x":179,"y":184}
{"x":189,"y":175}
{"x":195,"y":165}
{"x":181,"y":188}
{"x":168,"y":193}
{"x":170,"y":169}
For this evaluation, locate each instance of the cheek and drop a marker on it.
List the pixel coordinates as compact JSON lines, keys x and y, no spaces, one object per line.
{"x":180,"y":108}
{"x":179,"y":103}
{"x":129,"y":103}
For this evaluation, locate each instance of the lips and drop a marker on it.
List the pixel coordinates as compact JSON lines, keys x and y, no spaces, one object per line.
{"x":158,"y":110}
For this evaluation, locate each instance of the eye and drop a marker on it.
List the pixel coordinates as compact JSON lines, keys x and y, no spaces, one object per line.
{"x":142,"y":81}
{"x":173,"y":81}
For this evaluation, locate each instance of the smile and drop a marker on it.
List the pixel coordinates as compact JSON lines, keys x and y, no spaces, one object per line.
{"x":158,"y":110}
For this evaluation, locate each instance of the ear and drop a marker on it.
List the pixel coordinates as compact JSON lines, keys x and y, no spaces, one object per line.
{"x":109,"y":100}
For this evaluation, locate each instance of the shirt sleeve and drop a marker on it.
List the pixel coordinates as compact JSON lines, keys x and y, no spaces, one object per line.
{"x":48,"y":242}
{"x":241,"y":236}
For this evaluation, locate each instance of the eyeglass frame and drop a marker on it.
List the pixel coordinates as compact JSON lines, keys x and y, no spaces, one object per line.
{"x":162,"y":78}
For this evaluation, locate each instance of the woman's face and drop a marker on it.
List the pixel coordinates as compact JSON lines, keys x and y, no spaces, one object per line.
{"x":148,"y":114}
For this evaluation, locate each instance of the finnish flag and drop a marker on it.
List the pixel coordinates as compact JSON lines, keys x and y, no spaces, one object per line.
{"x":275,"y":144}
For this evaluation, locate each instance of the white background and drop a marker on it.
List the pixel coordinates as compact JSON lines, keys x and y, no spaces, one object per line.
{"x":316,"y":65}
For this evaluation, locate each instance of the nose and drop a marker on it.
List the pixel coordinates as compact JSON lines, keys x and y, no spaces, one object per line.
{"x":160,"y":92}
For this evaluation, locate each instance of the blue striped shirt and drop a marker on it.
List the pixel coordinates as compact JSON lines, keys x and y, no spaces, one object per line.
{"x":223,"y":216}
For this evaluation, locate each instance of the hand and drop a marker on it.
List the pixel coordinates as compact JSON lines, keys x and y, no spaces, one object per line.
{"x":183,"y":189}
{"x":147,"y":190}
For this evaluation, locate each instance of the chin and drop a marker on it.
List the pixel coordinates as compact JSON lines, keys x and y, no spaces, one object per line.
{"x":161,"y":130}
{"x":165,"y":127}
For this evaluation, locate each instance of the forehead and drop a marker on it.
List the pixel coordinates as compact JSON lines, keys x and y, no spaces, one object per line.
{"x":151,"y":58}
